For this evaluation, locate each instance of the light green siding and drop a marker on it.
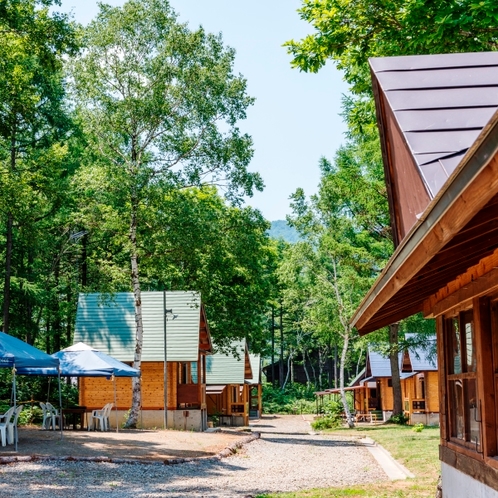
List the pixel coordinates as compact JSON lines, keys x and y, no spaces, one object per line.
{"x":226,"y":369}
{"x":256,"y":369}
{"x":108,"y":324}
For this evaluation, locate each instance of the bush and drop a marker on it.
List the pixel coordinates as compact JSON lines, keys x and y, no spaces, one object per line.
{"x":327,"y":422}
{"x":400,"y":419}
{"x":418,"y":427}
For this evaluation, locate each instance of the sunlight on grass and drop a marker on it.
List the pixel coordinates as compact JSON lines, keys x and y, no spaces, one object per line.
{"x":418,"y":451}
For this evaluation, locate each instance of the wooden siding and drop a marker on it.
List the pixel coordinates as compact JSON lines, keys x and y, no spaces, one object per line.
{"x":108,"y":325}
{"x":432,"y":392}
{"x":386,"y":394}
{"x":233,"y":401}
{"x":409,"y":192}
{"x":447,"y":297}
{"x":95,"y":392}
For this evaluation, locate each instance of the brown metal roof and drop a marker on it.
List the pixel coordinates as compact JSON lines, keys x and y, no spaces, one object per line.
{"x":438,"y":104}
{"x":457,"y":230}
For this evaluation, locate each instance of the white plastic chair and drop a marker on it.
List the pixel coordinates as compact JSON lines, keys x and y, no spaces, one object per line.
{"x":5,"y":424}
{"x":101,"y":418}
{"x":47,"y":416}
{"x":12,"y":427}
{"x":55,"y":417}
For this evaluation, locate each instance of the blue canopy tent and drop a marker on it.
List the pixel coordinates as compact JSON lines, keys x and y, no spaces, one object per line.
{"x":26,"y":360}
{"x":82,"y":360}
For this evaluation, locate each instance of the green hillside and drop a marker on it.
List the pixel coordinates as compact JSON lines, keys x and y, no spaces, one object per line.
{"x":281,"y":230}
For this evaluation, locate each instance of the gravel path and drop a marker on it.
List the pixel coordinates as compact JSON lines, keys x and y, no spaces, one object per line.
{"x":288,"y":457}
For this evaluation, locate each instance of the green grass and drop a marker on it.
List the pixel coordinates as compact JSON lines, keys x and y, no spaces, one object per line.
{"x":418,"y":451}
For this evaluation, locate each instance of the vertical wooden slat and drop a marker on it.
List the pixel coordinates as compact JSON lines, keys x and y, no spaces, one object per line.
{"x":172,"y":384}
{"x":442,"y":369}
{"x":485,"y":377}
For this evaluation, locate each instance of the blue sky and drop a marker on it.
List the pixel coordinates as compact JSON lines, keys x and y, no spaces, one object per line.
{"x":295,"y":119}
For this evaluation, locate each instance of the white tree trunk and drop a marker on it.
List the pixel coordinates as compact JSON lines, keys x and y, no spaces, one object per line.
{"x":347,"y":411}
{"x":137,"y":294}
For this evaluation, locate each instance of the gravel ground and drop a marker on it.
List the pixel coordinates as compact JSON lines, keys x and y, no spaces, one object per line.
{"x":288,"y":457}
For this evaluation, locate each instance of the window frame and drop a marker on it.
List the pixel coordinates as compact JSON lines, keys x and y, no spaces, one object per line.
{"x":466,"y":375}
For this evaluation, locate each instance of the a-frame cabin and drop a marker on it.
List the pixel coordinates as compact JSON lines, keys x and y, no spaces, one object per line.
{"x":439,"y":133}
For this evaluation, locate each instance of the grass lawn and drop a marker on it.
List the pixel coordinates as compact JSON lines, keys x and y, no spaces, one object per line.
{"x":418,"y":451}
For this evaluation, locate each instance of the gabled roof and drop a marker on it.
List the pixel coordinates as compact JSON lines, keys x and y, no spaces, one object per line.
{"x":457,"y":230}
{"x":378,"y":365}
{"x":231,"y":368}
{"x":108,"y":324}
{"x":255,"y":360}
{"x":423,"y":358}
{"x":430,"y":110}
{"x":411,"y":361}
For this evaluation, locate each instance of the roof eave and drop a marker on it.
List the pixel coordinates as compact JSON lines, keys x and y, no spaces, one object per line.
{"x":407,"y":259}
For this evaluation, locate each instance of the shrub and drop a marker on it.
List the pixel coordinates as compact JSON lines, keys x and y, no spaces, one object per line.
{"x":418,"y":428}
{"x":327,"y":422}
{"x":400,"y":419}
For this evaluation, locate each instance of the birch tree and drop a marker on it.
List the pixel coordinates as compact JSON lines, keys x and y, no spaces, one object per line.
{"x":160,"y":105}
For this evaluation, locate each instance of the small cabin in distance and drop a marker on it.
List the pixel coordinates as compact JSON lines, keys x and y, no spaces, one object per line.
{"x":181,"y":337}
{"x":373,"y":393}
{"x":233,"y":385}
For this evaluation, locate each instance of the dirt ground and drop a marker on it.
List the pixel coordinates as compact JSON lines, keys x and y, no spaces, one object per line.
{"x":127,"y":444}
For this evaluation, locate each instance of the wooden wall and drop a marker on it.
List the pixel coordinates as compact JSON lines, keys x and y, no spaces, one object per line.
{"x":432,"y":392}
{"x":95,"y":392}
{"x":411,"y":389}
{"x":386,"y":394}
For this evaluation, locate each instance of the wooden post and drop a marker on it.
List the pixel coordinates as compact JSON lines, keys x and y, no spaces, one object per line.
{"x":485,"y":375}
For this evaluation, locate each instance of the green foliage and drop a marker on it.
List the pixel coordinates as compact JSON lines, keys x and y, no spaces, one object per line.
{"x":332,"y":416}
{"x":399,"y":419}
{"x":326,"y":422}
{"x":351,"y":32}
{"x":418,"y":427}
{"x":295,"y":398}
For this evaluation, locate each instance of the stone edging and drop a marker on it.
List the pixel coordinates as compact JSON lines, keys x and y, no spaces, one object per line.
{"x":229,"y":450}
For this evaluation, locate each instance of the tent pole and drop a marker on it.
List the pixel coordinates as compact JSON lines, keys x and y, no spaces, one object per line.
{"x":15,"y":402}
{"x":115,"y":402}
{"x":61,"y":415}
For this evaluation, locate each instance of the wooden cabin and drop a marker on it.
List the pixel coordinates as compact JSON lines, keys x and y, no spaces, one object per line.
{"x":439,"y":134}
{"x":420,"y":386}
{"x":180,"y":339}
{"x":255,"y":387}
{"x":229,"y":380}
{"x":373,"y":393}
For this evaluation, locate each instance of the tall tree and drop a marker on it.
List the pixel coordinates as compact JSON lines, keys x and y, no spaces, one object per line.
{"x":33,"y":122}
{"x":348,"y":33}
{"x":160,"y":104}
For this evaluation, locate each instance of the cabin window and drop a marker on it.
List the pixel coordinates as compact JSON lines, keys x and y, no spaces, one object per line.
{"x":461,"y":380}
{"x":184,"y":373}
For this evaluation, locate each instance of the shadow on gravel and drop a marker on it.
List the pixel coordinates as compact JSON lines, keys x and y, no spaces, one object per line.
{"x":101,"y":480}
{"x":134,"y":444}
{"x":311,"y":442}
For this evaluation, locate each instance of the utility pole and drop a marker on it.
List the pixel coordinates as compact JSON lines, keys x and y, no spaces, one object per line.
{"x":281,"y":366}
{"x":273,"y":346}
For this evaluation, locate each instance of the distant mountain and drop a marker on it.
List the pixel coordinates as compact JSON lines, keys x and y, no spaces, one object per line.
{"x":281,"y":230}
